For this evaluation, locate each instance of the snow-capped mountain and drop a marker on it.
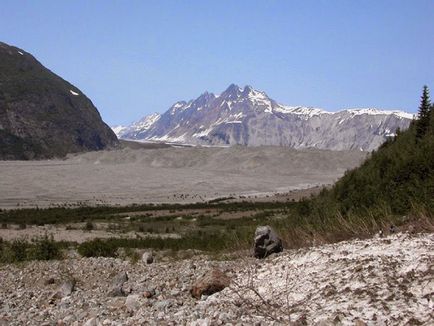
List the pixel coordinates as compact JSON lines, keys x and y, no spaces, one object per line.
{"x":249,"y":117}
{"x":137,"y":127}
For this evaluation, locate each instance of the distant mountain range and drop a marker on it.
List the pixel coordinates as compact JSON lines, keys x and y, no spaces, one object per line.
{"x":245,"y":116}
{"x":42,"y":115}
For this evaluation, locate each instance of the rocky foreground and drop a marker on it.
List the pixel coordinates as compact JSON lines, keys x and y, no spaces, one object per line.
{"x":382,"y":281}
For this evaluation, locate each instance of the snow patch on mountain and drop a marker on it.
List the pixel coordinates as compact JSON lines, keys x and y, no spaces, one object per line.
{"x":373,"y":111}
{"x":119,"y":130}
{"x":301,"y":110}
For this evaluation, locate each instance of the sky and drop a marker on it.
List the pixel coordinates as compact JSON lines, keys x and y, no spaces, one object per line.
{"x":133,"y":58}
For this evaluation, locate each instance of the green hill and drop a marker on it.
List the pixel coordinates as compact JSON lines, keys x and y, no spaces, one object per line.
{"x":393,"y":186}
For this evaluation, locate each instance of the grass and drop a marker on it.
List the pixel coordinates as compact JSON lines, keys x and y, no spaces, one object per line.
{"x":59,"y":215}
{"x":207,"y":241}
{"x":20,"y":250}
{"x":295,"y":222}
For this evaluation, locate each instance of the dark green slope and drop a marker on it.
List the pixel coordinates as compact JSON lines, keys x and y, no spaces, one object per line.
{"x":396,"y":179}
{"x":40,"y":117}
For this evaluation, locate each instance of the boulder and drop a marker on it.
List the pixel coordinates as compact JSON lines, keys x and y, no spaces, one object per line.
{"x":213,"y":281}
{"x":148,"y":257}
{"x":266,"y":242}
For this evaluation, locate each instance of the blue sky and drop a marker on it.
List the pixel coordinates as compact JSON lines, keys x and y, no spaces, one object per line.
{"x":133,"y":58}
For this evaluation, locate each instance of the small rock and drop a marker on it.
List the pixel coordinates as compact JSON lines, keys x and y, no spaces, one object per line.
{"x":132,"y":302}
{"x":116,"y":289}
{"x":301,"y":321}
{"x":148,"y":257}
{"x":50,"y":280}
{"x":148,"y":293}
{"x":201,"y":322}
{"x":91,"y":322}
{"x":162,"y":305}
{"x":212,"y":282}
{"x":68,"y":319}
{"x":359,"y":322}
{"x":67,"y":287}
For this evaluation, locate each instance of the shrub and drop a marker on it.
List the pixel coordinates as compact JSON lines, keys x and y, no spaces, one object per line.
{"x":45,"y":248}
{"x":18,"y":250}
{"x":89,"y":226}
{"x":98,"y":248}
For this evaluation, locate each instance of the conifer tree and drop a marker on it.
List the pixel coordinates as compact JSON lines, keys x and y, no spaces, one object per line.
{"x":431,"y":123}
{"x":424,"y":114}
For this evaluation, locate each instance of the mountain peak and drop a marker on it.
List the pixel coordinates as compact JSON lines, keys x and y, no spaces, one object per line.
{"x":233,"y":89}
{"x":248,"y":88}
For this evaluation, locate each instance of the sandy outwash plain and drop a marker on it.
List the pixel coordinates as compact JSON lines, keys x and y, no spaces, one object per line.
{"x":167,"y":175}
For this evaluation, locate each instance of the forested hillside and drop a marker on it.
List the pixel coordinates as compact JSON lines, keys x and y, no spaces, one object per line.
{"x":396,"y":180}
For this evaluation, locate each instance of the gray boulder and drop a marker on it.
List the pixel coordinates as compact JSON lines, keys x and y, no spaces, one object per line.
{"x":267,"y":242}
{"x":148,"y":257}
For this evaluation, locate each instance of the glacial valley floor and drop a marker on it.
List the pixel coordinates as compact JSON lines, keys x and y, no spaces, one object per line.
{"x":169,"y":175}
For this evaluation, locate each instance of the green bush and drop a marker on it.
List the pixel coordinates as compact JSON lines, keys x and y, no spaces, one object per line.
{"x":98,"y":248}
{"x":89,"y":226}
{"x":45,"y":248}
{"x":20,"y":250}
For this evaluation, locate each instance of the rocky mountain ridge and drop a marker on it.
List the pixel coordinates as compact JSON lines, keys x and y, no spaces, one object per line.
{"x":245,"y":116}
{"x":42,"y":115}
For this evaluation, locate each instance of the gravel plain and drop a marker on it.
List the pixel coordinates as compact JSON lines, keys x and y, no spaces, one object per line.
{"x":167,"y":175}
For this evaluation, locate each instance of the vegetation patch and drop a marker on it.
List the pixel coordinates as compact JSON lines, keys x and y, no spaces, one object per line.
{"x":19,"y":250}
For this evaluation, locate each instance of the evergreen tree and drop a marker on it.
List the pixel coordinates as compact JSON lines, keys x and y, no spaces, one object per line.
{"x":423,"y":123}
{"x":431,"y":112}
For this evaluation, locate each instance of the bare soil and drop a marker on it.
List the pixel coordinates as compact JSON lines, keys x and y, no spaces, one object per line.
{"x":139,"y":174}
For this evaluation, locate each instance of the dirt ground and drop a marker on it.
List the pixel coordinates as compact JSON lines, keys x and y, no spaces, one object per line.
{"x":168,"y":175}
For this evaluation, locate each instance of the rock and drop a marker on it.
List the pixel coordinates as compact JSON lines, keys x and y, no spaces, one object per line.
{"x":162,"y":305}
{"x":91,"y":322}
{"x":116,"y":290}
{"x":49,"y":281}
{"x":149,"y":293}
{"x":210,"y":283}
{"x":301,"y":321}
{"x":68,"y":319}
{"x":201,"y":322}
{"x":67,"y":288}
{"x":132,"y":302}
{"x":148,"y":257}
{"x":266,"y":242}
